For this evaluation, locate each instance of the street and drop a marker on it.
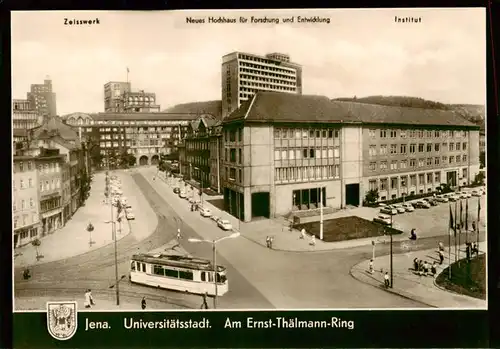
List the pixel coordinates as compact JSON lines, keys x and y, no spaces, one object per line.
{"x":259,"y":278}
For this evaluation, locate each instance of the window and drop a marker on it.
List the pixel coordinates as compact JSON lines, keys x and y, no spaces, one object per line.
{"x":451,"y":133}
{"x":383,"y":133}
{"x":445,"y":146}
{"x":404,"y":181}
{"x":436,"y":160}
{"x":464,"y":158}
{"x":171,"y":273}
{"x":394,"y":165}
{"x":436,"y":133}
{"x":277,"y":155}
{"x":29,"y":165}
{"x":394,"y":182}
{"x":372,"y":166}
{"x":336,"y":133}
{"x":445,"y":159}
{"x":324,"y":153}
{"x":451,"y":159}
{"x":330,"y":133}
{"x":283,"y":155}
{"x":421,"y":162}
{"x":311,"y":133}
{"x":30,"y":183}
{"x":402,"y":149}
{"x":420,"y":133}
{"x":21,"y":182}
{"x":383,"y":149}
{"x":402,"y":133}
{"x":457,"y":158}
{"x":429,"y":147}
{"x":41,"y":186}
{"x":420,"y":148}
{"x":158,"y":270}
{"x":458,"y":146}
{"x":383,"y":165}
{"x":21,"y":166}
{"x":437,"y":177}
{"x":298,"y":154}
{"x":311,"y":153}
{"x":330,"y":152}
{"x":428,"y":134}
{"x":404,"y":164}
{"x":464,"y":146}
{"x":413,"y":133}
{"x":464,"y":173}
{"x":429,"y":161}
{"x":240,"y":156}
{"x":421,"y":179}
{"x":32,"y":203}
{"x":429,"y":178}
{"x":372,"y":184}
{"x":393,"y":133}
{"x":186,"y":275}
{"x":371,"y":133}
{"x":394,"y":148}
{"x":323,"y":134}
{"x":452,"y":146}
{"x":413,"y":180}
{"x":412,"y":148}
{"x":372,"y":150}
{"x":232,"y":174}
{"x":383,"y":184}
{"x":291,"y":154}
{"x":412,"y":162}
{"x":304,"y":153}
{"x":436,"y":147}
{"x":232,"y":155}
{"x":240,"y":176}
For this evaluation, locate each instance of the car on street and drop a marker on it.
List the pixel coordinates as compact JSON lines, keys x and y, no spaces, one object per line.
{"x":399,"y":208}
{"x":422,"y":204}
{"x":215,"y":219}
{"x":442,"y":198}
{"x":465,"y":195}
{"x":431,"y":201}
{"x":381,"y":204}
{"x":389,"y":210}
{"x":383,"y":219}
{"x":130,"y":215}
{"x":408,"y":207}
{"x":177,"y":190}
{"x":224,"y":224}
{"x":452,"y":197}
{"x":182,"y":194}
{"x":205,"y":212}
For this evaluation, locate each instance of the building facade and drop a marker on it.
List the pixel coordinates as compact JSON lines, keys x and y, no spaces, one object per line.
{"x":24,"y":117}
{"x":43,"y":99}
{"x":113,"y":95}
{"x":25,"y":201}
{"x":140,"y":102}
{"x":243,"y":74}
{"x":216,"y":149}
{"x":310,"y":150}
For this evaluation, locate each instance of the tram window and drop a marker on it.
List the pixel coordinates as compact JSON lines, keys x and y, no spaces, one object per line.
{"x":202,"y":276}
{"x":210,"y":277}
{"x":158,"y":270}
{"x":187,"y":275}
{"x":143,"y":267}
{"x":171,"y":273}
{"x":132,"y":266}
{"x":218,"y":278}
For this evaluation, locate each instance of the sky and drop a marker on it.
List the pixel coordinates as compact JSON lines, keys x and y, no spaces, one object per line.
{"x":361,"y":52}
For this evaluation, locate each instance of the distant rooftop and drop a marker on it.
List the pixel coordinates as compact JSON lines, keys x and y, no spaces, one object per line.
{"x":213,"y":108}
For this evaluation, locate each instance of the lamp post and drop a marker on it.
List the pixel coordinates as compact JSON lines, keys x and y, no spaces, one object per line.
{"x":320,"y":213}
{"x":90,"y":229}
{"x":113,"y":232}
{"x":214,"y":249}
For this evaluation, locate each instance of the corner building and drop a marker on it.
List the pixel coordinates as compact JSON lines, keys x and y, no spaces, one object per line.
{"x":283,"y":153}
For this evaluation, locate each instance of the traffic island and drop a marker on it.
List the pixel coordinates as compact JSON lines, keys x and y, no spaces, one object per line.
{"x":467,"y":278}
{"x":347,"y":228}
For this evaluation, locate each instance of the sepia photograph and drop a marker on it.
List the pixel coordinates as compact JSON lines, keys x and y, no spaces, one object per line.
{"x":248,"y":160}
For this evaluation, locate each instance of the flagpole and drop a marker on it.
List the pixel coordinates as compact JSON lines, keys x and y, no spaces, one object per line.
{"x":127,"y":75}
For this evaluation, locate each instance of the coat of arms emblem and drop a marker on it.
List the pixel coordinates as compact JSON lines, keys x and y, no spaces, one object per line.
{"x":62,"y":319}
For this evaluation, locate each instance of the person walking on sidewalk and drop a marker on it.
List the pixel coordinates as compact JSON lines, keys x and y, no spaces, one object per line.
{"x":440,"y":246}
{"x":434,"y":269}
{"x":271,"y":238}
{"x":89,"y":300}
{"x":268,"y":241}
{"x":143,"y":303}
{"x":371,"y":266}
{"x":179,"y":236}
{"x":204,"y":305}
{"x":441,"y":257}
{"x":302,"y":234}
{"x":313,"y":240}
{"x":386,"y":279}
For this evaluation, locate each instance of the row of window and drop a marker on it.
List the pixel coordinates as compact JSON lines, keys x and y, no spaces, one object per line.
{"x":233,"y":135}
{"x":24,"y":234}
{"x":21,"y":221}
{"x":23,"y":204}
{"x":414,"y":133}
{"x":139,"y":122}
{"x":230,"y":155}
{"x":271,"y":71}
{"x":305,"y":133}
{"x":25,"y":116}
{"x":306,"y":153}
{"x":255,"y":86}
{"x":196,"y":145}
{"x":305,"y":173}
{"x":50,"y":204}
{"x":197,"y":161}
{"x":172,"y":273}
{"x":394,"y":165}
{"x":46,"y":186}
{"x":431,"y":178}
{"x":403,"y":148}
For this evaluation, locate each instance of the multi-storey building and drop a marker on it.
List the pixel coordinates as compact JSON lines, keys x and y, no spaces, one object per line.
{"x":140,"y":102}
{"x":25,"y":201}
{"x":216,"y":149}
{"x":243,"y":74}
{"x":24,"y":116}
{"x":113,"y":95}
{"x":42,"y":99}
{"x":285,"y":153}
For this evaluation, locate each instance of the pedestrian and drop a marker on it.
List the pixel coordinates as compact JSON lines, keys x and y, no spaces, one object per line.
{"x":271,"y":238}
{"x":441,"y":257}
{"x":415,"y":264}
{"x":420,"y":267}
{"x":386,"y":279}
{"x":179,"y":236}
{"x":143,"y":303}
{"x":426,"y":268}
{"x":89,"y":301}
{"x":192,"y":207}
{"x":475,"y":249}
{"x":204,"y":304}
{"x":434,"y":269}
{"x":473,"y":226}
{"x":268,"y":241}
{"x":441,"y":246}
{"x":302,"y":234}
{"x":371,"y":266}
{"x":313,"y":240}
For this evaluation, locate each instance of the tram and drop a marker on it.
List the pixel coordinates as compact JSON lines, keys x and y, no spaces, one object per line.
{"x":179,"y":273}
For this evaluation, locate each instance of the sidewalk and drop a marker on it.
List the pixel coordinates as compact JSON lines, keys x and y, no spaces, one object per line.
{"x":410,"y":285}
{"x":73,"y":238}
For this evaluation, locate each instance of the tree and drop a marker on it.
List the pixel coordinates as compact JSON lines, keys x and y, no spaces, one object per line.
{"x":482,"y":159}
{"x":371,"y":196}
{"x":444,"y":188}
{"x":479,"y":179}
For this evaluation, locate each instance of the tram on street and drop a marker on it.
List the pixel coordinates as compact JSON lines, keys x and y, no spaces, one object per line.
{"x":179,"y":273}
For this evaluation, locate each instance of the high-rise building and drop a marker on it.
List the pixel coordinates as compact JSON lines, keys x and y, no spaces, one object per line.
{"x":140,"y":102}
{"x":113,"y":95}
{"x":42,"y":99}
{"x":243,"y":74}
{"x":24,"y":116}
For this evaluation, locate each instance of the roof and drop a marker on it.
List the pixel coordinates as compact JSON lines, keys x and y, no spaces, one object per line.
{"x":54,"y":125}
{"x":176,"y":261}
{"x":19,"y":132}
{"x":144,"y":116}
{"x":287,"y":107}
{"x":208,"y":107}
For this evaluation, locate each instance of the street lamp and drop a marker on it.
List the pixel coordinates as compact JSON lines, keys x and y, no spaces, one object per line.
{"x":113,"y":232}
{"x":214,"y":249}
{"x":90,"y":229}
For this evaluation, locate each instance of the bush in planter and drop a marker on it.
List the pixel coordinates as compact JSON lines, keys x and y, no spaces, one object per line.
{"x":371,"y":196}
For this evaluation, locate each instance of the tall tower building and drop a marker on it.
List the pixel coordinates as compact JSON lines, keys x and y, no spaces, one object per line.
{"x":243,"y":74}
{"x":114,"y":92}
{"x":42,"y":99}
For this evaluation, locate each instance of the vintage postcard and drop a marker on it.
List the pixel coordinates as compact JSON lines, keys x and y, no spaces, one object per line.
{"x":247,"y":160}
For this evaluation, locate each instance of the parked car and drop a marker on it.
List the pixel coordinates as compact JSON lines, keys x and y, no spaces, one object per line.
{"x":176,"y":190}
{"x":205,"y":212}
{"x":224,"y":224}
{"x":381,"y":204}
{"x":442,"y":198}
{"x":128,"y":205}
{"x":399,"y":208}
{"x":388,"y":210}
{"x":452,"y":197}
{"x":431,"y":201}
{"x":123,"y":200}
{"x":422,"y":204}
{"x":465,"y":195}
{"x":215,"y":219}
{"x":383,"y":219}
{"x":130,"y":215}
{"x":182,"y":194}
{"x":408,"y":207}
